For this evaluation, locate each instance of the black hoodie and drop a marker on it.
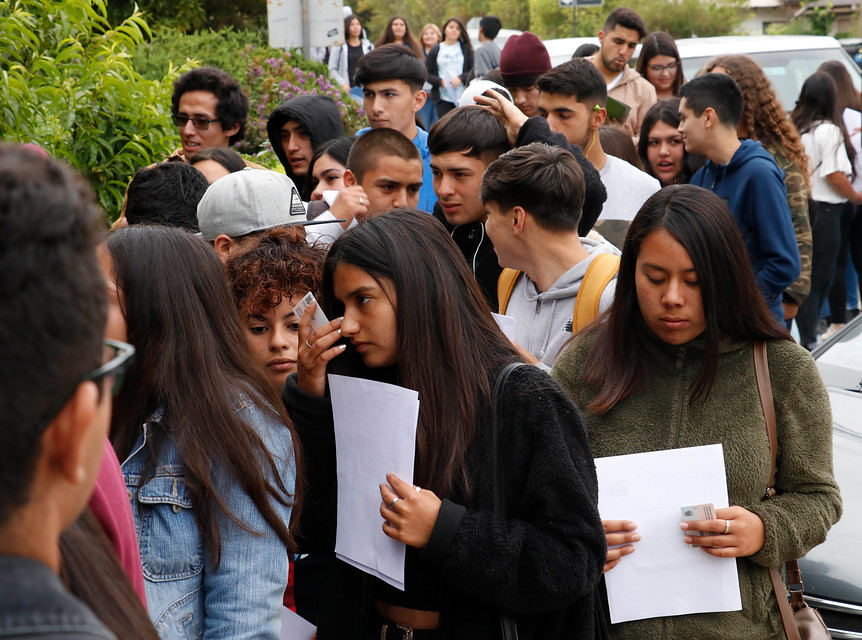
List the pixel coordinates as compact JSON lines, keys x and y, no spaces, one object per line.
{"x":318,"y":115}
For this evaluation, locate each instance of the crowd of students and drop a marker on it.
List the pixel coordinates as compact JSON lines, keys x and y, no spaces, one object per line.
{"x":641,"y":261}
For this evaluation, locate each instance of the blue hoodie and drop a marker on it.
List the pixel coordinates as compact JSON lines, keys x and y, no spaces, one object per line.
{"x":752,"y":186}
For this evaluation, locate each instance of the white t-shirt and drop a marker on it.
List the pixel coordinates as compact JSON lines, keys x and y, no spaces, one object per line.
{"x":450,"y":63}
{"x":824,"y":146}
{"x":628,"y":188}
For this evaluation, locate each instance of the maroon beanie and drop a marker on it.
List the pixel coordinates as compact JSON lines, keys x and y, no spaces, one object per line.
{"x":523,"y":60}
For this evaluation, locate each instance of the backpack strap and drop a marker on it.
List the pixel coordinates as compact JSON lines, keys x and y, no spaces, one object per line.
{"x":601,"y":271}
{"x":505,"y":286}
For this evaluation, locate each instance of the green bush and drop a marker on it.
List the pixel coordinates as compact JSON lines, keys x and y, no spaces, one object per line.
{"x":69,"y":85}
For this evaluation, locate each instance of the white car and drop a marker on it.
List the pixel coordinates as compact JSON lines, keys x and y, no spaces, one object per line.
{"x":786,"y":60}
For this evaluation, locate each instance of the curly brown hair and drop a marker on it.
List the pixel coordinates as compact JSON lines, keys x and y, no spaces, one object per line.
{"x":763,"y":116}
{"x":281,"y":265}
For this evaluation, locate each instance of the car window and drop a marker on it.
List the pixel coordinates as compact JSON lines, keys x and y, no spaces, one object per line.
{"x":787,"y":70}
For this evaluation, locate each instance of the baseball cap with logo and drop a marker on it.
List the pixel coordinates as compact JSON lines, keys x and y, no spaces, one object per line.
{"x":247,"y":201}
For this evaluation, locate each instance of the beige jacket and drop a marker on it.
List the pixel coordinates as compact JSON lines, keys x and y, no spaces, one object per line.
{"x":637,"y":92}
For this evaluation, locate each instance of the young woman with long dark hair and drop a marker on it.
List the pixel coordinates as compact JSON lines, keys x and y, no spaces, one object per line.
{"x":764,"y":119}
{"x":661,"y":147}
{"x":660,"y":64}
{"x":398,"y":32}
{"x":671,"y":365}
{"x":343,"y":59}
{"x":208,"y":450}
{"x":450,"y":66}
{"x":412,"y":314}
{"x":817,"y":117}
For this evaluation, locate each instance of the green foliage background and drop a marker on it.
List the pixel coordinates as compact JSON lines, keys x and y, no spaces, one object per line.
{"x":68,"y":84}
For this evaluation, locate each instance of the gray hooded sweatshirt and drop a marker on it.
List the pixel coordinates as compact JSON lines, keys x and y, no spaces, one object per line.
{"x":543,"y":320}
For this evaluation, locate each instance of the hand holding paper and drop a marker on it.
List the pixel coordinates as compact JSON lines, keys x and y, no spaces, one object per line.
{"x":412,"y":516}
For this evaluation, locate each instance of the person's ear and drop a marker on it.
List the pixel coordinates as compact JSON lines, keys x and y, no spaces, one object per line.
{"x":68,"y":437}
{"x":419,"y":100}
{"x":709,"y":117}
{"x":601,"y":37}
{"x":349,"y":178}
{"x":231,"y":131}
{"x":222,"y":245}
{"x":519,"y":220}
{"x":598,"y":117}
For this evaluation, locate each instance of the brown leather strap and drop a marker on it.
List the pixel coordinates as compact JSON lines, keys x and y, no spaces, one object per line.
{"x":790,"y":628}
{"x":764,"y":388}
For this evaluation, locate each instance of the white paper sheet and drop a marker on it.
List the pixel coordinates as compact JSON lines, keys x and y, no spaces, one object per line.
{"x":375,"y":434}
{"x":295,"y":627}
{"x":664,"y":576}
{"x":506,"y":324}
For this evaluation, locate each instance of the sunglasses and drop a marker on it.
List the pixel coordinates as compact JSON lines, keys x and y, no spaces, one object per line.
{"x":119,"y":356}
{"x":661,"y":68}
{"x":201,"y":124}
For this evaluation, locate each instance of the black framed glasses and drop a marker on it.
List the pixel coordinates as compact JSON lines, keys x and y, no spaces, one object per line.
{"x":661,"y":68}
{"x":119,"y":356}
{"x":201,"y":124}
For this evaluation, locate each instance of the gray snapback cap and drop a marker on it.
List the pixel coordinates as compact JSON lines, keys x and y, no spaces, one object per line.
{"x":247,"y":201}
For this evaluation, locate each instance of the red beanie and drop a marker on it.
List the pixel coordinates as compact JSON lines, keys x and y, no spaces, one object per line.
{"x":523,"y":60}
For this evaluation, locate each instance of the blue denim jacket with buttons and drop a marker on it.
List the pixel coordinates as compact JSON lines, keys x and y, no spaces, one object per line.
{"x":186,"y":598}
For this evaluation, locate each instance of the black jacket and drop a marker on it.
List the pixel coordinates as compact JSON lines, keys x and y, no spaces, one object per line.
{"x":318,"y":115}
{"x":433,"y":74}
{"x":541,"y":563}
{"x":478,"y":250}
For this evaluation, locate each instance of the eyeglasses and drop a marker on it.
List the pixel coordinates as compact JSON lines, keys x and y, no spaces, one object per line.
{"x":201,"y":124}
{"x":119,"y":358}
{"x":659,"y":68}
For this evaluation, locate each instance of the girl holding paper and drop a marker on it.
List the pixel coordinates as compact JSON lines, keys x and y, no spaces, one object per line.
{"x":413,"y":315}
{"x":671,"y":365}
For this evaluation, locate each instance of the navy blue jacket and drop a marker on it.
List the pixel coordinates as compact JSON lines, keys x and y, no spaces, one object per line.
{"x":752,"y":186}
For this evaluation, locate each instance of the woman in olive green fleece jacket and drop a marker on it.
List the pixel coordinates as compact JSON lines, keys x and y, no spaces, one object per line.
{"x":671,"y":365}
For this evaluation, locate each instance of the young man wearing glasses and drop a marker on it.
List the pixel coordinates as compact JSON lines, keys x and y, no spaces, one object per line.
{"x":55,"y":407}
{"x":622,"y":31}
{"x":210,"y":110}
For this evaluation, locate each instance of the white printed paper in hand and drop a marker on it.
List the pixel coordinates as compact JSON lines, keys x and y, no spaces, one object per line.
{"x":664,"y":577}
{"x":375,"y":434}
{"x":318,"y":319}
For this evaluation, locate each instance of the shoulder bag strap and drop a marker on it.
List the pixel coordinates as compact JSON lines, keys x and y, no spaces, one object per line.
{"x":505,"y":286}
{"x":764,"y":388}
{"x":508,"y":626}
{"x":601,"y":271}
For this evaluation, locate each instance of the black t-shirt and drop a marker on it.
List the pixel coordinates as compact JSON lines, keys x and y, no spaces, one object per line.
{"x":353,"y":55}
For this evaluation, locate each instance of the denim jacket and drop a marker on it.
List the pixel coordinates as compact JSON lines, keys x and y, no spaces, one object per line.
{"x":186,"y":598}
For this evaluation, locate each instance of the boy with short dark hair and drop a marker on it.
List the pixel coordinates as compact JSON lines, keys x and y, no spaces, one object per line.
{"x":746,"y":177}
{"x":534,"y":198}
{"x":167,"y":193}
{"x":392,"y":78}
{"x":622,"y":31}
{"x":388,"y":167}
{"x":488,"y":53}
{"x":573,"y":101}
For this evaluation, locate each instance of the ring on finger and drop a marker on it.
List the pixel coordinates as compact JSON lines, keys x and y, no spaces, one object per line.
{"x":392,"y":504}
{"x":307,"y":344}
{"x":417,"y":489}
{"x":726,"y":527}
{"x":361,"y":202}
